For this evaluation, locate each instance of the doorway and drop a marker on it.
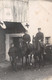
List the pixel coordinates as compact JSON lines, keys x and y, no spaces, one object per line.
{"x":16,"y":41}
{"x":12,"y":38}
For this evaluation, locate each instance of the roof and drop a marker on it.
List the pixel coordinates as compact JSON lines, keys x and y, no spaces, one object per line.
{"x":14,"y":27}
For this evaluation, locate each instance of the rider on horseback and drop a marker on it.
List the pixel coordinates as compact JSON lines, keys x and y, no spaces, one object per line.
{"x":39,"y":45}
{"x":27,"y":39}
{"x":39,"y":36}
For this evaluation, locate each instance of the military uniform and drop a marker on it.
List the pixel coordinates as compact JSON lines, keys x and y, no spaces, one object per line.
{"x":39,"y":37}
{"x":12,"y":51}
{"x":26,"y":37}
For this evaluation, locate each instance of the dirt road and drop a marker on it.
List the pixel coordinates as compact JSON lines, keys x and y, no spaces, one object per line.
{"x":6,"y":73}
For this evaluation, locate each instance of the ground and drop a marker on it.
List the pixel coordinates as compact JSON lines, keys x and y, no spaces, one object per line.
{"x":6,"y":73}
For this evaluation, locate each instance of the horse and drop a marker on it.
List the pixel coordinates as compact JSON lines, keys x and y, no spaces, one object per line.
{"x":38,"y":52}
{"x":26,"y":49}
{"x":29,"y":52}
{"x":23,"y":48}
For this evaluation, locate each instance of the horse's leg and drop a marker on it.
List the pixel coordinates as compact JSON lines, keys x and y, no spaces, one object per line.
{"x":30,"y":58}
{"x":43,"y":59}
{"x":35,"y":60}
{"x":22,"y":61}
{"x":40,"y":60}
{"x":26,"y":59}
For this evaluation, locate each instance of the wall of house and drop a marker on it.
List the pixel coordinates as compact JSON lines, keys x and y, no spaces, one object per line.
{"x":40,"y":15}
{"x":13,"y":10}
{"x":2,"y":44}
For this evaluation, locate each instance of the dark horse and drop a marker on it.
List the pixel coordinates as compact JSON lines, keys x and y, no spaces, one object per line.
{"x":26,"y":49}
{"x":23,"y":48}
{"x":38,"y":50}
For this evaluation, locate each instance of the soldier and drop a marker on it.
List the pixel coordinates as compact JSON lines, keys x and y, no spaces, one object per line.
{"x":39,"y":44}
{"x":13,"y":54}
{"x":26,"y":37}
{"x":39,"y":35}
{"x":12,"y":50}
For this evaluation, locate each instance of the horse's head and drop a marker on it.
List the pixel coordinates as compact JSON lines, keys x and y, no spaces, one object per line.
{"x":34,"y":42}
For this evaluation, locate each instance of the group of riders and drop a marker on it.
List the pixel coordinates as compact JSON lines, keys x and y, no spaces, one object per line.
{"x":34,"y":50}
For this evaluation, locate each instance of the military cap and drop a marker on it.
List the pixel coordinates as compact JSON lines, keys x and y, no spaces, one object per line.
{"x":39,"y":28}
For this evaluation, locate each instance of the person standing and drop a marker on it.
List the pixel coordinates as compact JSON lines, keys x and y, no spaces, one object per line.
{"x":13,"y":54}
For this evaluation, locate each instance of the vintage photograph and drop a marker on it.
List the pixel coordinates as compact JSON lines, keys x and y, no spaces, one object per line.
{"x":25,"y":39}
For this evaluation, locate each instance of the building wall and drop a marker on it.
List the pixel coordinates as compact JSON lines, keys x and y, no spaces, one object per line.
{"x":13,"y":10}
{"x":2,"y":44}
{"x":40,"y":15}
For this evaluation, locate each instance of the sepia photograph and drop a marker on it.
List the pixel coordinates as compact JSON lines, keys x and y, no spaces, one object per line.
{"x":25,"y":39}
